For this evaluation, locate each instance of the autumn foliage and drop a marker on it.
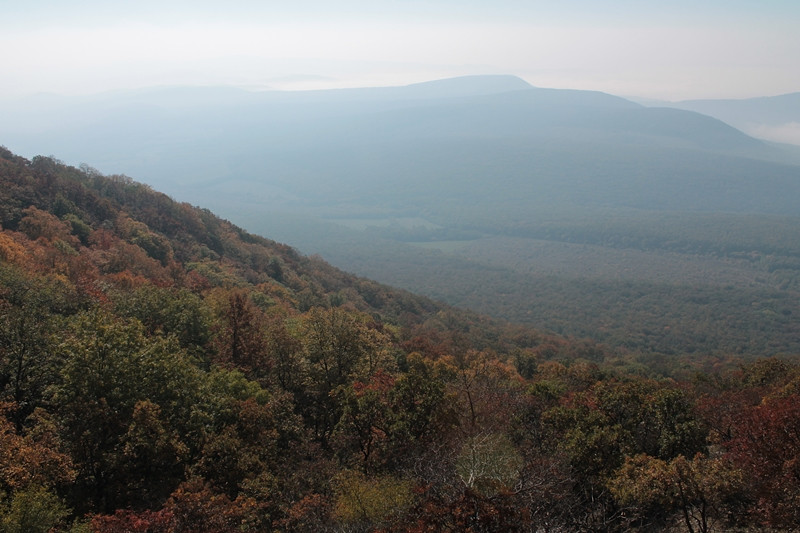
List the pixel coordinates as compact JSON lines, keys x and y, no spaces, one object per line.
{"x":162,"y":370}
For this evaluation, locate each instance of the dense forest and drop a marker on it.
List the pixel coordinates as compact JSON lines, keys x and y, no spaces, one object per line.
{"x":673,"y":283}
{"x":162,"y":370}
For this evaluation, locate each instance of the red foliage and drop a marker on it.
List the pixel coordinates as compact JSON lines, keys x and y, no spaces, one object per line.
{"x":196,"y":508}
{"x":312,"y":513}
{"x":126,"y":521}
{"x":429,"y":343}
{"x":380,"y":382}
{"x":471,"y":513}
{"x":766,"y":445}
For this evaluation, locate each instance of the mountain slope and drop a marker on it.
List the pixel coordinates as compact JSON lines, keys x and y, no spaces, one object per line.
{"x":776,"y":118}
{"x":103,"y":234}
{"x":109,"y":226}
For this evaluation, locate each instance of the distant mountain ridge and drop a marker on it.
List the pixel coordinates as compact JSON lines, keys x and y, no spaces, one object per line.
{"x":775,"y":118}
{"x":282,"y":145}
{"x":769,"y":109}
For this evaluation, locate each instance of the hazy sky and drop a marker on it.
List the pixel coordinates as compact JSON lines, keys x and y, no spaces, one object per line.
{"x":669,"y":49}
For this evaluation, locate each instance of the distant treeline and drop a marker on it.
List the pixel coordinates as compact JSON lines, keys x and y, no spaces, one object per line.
{"x":684,"y":282}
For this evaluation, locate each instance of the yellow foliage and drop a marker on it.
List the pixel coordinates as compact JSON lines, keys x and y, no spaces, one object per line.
{"x":32,"y":459}
{"x":363,"y":499}
{"x":11,"y":250}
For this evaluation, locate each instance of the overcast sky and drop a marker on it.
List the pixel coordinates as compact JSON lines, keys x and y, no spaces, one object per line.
{"x":670,"y":49}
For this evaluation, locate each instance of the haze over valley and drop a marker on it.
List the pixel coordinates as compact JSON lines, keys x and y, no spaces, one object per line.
{"x":575,"y":211}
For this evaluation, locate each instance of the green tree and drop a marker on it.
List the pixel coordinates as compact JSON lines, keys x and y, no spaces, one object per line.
{"x":698,"y":490}
{"x":34,"y":509}
{"x":388,"y":421}
{"x":168,"y":311}
{"x":339,"y":347}
{"x":31,"y":312}
{"x":153,"y":454}
{"x":110,"y":367}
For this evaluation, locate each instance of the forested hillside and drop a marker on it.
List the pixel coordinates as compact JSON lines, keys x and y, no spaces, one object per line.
{"x":162,"y":370}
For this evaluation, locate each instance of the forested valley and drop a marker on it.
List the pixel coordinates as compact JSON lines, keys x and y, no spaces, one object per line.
{"x":652,"y":229}
{"x":673,"y":283}
{"x":163,"y":370}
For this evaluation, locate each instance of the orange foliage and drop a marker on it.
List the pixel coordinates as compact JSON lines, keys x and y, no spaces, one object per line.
{"x":10,"y":249}
{"x":31,"y":458}
{"x":38,"y":224}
